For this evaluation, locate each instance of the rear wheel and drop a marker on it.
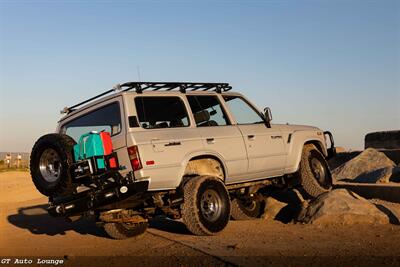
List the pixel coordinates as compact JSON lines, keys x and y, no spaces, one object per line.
{"x":315,"y":176}
{"x":123,"y":225}
{"x":206,"y":207}
{"x":125,"y":230}
{"x":51,"y":157}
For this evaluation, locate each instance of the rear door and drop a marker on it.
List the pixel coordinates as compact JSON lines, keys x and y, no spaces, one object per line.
{"x":265,"y":146}
{"x":218,"y":135}
{"x":164,"y":137}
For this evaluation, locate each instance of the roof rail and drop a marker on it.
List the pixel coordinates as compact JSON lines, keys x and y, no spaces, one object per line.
{"x":139,"y":87}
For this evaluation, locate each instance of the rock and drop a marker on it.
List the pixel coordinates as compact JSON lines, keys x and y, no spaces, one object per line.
{"x":342,"y":207}
{"x":395,"y":175}
{"x":391,"y":209}
{"x":341,"y":158}
{"x":386,"y":140}
{"x":272,"y":208}
{"x":377,"y":176}
{"x":283,"y":206}
{"x":369,"y":166}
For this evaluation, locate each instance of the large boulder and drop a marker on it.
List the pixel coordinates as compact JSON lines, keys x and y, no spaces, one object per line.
{"x":272,"y":208}
{"x":382,"y":175}
{"x":371,"y":166}
{"x":342,"y":207}
{"x":385,"y":140}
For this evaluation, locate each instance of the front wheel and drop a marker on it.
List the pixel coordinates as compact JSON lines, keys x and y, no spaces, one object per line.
{"x":315,"y":176}
{"x":206,"y":207}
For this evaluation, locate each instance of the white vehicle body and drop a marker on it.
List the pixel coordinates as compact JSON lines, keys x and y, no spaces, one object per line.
{"x":245,"y":152}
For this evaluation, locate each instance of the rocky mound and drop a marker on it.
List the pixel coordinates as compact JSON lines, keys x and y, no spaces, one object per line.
{"x":342,"y":207}
{"x":371,"y":166}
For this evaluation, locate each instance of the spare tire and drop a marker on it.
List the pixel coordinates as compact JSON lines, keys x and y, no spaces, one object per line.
{"x":51,"y":157}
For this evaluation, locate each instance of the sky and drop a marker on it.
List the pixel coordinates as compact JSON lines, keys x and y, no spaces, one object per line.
{"x":331,"y":64}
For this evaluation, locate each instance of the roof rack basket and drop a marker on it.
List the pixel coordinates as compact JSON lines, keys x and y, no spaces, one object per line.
{"x":139,"y":87}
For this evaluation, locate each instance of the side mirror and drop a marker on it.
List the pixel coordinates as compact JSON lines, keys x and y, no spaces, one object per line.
{"x":268,"y":114}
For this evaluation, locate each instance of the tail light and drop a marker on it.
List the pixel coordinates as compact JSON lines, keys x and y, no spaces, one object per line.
{"x":134,"y":157}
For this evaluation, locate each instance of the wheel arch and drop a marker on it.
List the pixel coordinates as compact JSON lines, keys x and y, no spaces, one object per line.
{"x":189,"y":171}
{"x":318,"y":145}
{"x":314,"y":142}
{"x":297,"y":146}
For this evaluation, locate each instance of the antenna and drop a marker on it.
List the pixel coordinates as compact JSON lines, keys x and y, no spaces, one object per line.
{"x":138,"y":72}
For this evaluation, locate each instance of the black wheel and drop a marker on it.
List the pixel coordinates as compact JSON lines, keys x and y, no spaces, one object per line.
{"x":125,"y":230}
{"x":315,"y":176}
{"x":247,"y":209}
{"x":51,"y":157}
{"x":206,"y":207}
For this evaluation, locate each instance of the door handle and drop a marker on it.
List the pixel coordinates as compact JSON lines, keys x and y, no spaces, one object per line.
{"x":210,"y":141}
{"x":251,"y":137}
{"x":173,"y":144}
{"x":276,"y":136}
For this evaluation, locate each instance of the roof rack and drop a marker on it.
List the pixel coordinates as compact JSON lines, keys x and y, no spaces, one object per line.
{"x":139,"y":87}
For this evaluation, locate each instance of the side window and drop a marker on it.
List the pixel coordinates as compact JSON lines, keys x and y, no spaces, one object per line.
{"x":161,"y":112}
{"x":107,"y":119}
{"x":207,"y":111}
{"x":242,"y":111}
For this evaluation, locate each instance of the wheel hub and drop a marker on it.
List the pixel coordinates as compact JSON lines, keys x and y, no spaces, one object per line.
{"x":50,"y":165}
{"x":211,"y":205}
{"x":318,"y":170}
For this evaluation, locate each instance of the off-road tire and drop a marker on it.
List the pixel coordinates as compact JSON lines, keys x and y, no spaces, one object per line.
{"x":124,"y":230}
{"x":240,"y":211}
{"x":308,"y":181}
{"x":63,"y":145}
{"x":192,"y":213}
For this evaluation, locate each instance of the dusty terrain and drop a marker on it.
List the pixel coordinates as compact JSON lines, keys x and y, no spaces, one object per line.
{"x":26,"y":231}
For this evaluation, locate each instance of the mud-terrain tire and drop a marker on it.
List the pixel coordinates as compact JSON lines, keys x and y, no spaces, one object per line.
{"x":247,"y":210}
{"x":125,"y":230}
{"x":315,"y":176}
{"x":206,"y":208}
{"x":50,"y":159}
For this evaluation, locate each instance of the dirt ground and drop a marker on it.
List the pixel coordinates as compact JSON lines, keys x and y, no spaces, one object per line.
{"x":27,"y":232}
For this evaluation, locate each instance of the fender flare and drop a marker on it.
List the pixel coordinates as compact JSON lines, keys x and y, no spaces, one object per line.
{"x":203,"y":154}
{"x":319,"y":145}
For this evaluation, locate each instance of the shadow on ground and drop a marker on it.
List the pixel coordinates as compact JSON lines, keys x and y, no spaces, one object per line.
{"x":36,"y":220}
{"x":163,"y":223}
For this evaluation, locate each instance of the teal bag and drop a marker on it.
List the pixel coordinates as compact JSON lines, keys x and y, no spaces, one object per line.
{"x":90,"y":145}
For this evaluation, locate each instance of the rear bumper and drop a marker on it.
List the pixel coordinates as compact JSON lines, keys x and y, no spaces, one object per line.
{"x":332,"y":149}
{"x":90,"y":200}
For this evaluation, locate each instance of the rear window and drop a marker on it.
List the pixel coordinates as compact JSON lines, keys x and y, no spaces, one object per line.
{"x":161,"y":112}
{"x":107,"y":118}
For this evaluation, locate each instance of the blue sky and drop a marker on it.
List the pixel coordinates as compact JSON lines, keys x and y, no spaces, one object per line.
{"x":332,"y":64}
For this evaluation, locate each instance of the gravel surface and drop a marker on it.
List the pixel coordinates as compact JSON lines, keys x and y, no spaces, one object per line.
{"x":27,"y":231}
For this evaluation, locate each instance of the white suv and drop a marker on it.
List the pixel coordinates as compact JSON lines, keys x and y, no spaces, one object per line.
{"x":195,"y":151}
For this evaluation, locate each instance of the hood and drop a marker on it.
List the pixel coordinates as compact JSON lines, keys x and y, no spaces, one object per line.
{"x":294,"y":127}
